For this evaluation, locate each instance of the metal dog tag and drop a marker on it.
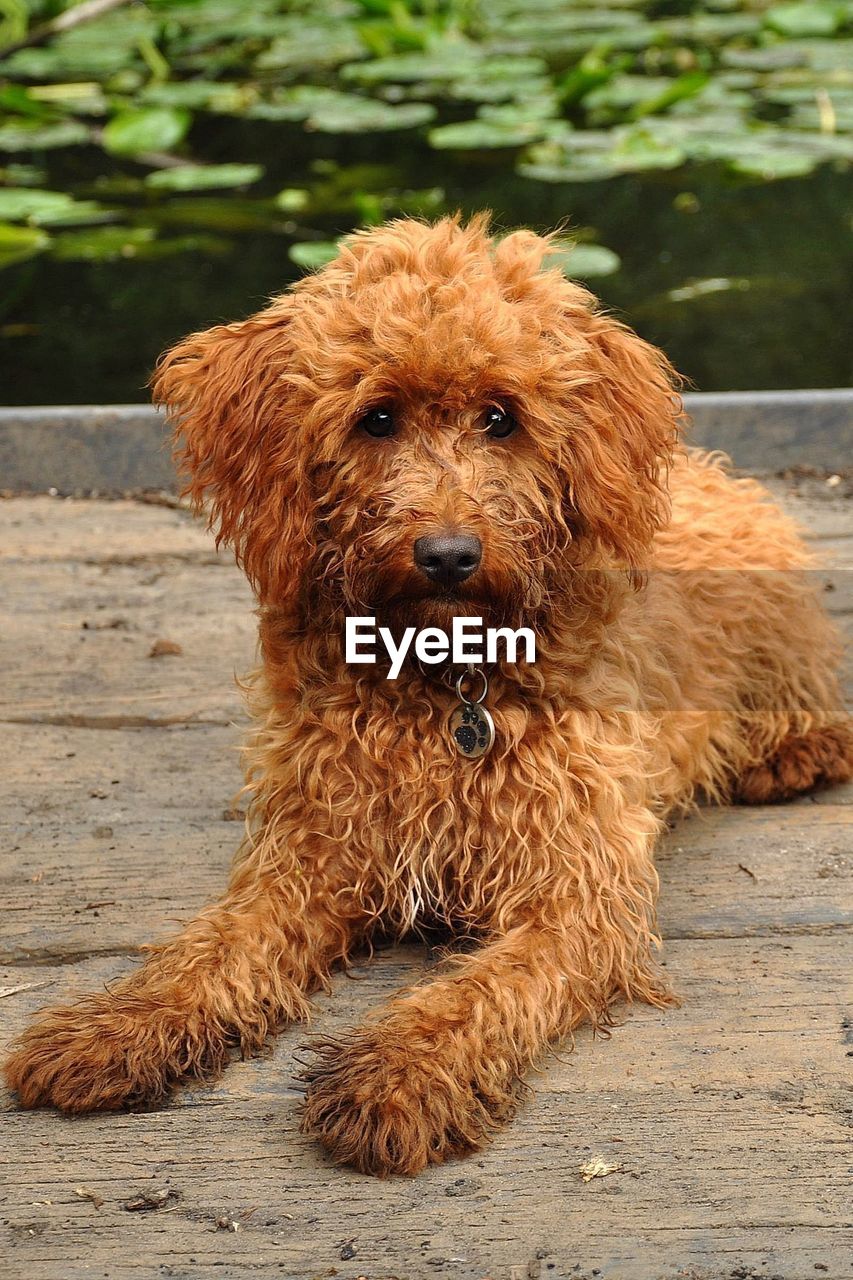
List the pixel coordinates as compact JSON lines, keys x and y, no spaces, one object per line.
{"x":471,"y":726}
{"x":472,"y":729}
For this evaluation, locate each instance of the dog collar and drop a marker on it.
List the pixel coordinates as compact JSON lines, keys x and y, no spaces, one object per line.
{"x":470,"y":725}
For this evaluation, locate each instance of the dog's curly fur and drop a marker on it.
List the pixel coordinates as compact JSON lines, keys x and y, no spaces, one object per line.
{"x":681,"y":652}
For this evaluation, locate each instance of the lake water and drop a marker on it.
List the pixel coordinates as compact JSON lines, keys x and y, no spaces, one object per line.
{"x":744,"y":284}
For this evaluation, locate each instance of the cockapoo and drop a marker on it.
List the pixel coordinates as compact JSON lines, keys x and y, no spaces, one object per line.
{"x":440,"y":424}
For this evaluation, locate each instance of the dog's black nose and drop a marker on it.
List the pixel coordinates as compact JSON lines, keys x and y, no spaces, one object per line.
{"x":448,"y":558}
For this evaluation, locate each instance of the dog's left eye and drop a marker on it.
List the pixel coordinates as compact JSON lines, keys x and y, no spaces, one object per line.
{"x":378,"y":422}
{"x":499,"y":423}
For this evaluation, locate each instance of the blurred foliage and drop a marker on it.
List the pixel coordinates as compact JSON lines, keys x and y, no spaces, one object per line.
{"x":168,"y":163}
{"x":120,"y":118}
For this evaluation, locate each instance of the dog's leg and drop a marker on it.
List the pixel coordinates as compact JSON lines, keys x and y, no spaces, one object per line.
{"x":240,"y":971}
{"x":442,"y":1067}
{"x":802,"y":762}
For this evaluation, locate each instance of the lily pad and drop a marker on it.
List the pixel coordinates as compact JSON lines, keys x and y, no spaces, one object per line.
{"x":636,"y":95}
{"x":80,"y":98}
{"x":585,"y":156}
{"x":312,"y":44}
{"x":481,"y":135}
{"x":805,"y":19}
{"x":26,"y":135}
{"x":496,"y":79}
{"x":293,"y":200}
{"x":200,"y":177}
{"x":94,"y":49}
{"x":49,"y":208}
{"x":313,"y":254}
{"x":584,"y":261}
{"x":17,"y":244}
{"x":522,"y":112}
{"x":451,"y":62}
{"x":102,"y":244}
{"x":23,"y":203}
{"x":770,"y":164}
{"x":837,"y":115}
{"x":80,"y":213}
{"x":623,"y":92}
{"x":349,"y":113}
{"x":197,"y":95}
{"x":136,"y":131}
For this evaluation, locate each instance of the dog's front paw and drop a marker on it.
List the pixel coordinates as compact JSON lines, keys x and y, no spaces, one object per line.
{"x":384,"y":1105}
{"x":102,"y":1054}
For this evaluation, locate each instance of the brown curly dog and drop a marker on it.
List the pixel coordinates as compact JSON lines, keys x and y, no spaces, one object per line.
{"x":437,"y":425}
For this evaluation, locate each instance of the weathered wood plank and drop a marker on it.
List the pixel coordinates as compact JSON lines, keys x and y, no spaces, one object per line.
{"x":727,"y":1116}
{"x":44,"y":528}
{"x":726,"y":1112}
{"x":76,"y":646}
{"x":90,"y":587}
{"x":148,"y":834}
{"x":77,"y":642}
{"x":145,"y":832}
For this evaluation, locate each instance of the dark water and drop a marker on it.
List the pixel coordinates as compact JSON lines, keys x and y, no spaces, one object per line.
{"x":745,"y":285}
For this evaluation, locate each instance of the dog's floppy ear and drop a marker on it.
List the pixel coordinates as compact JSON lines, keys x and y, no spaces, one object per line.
{"x":227,"y":393}
{"x":625,"y":438}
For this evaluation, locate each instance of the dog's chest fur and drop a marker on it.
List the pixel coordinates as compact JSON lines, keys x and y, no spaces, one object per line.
{"x":371,"y":773}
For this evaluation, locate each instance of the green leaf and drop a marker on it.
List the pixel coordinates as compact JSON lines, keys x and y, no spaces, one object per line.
{"x":32,"y":136}
{"x":313,"y":254}
{"x":23,"y":175}
{"x":14,"y":19}
{"x":837,"y":109}
{"x":352,"y":114}
{"x":591,"y":73}
{"x":49,"y":208}
{"x":311,"y":44}
{"x":583,"y":261}
{"x":593,"y":156}
{"x":197,"y":95}
{"x":522,"y":111}
{"x":93,"y":50}
{"x":769,"y":164}
{"x":19,"y":243}
{"x":200,"y":177}
{"x":102,"y":244}
{"x":80,"y":213}
{"x":449,"y":62}
{"x":477,"y":135}
{"x":136,"y":131}
{"x":81,"y":98}
{"x":293,"y":200}
{"x":638,"y":95}
{"x":683,"y":87}
{"x":805,"y":19}
{"x":639,"y":149}
{"x":20,"y":204}
{"x":498,"y":79}
{"x":14,"y":97}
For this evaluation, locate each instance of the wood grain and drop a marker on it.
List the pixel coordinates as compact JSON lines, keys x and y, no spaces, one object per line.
{"x":726,"y":1115}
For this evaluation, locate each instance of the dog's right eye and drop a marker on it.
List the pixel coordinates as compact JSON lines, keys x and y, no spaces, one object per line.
{"x":378,"y":422}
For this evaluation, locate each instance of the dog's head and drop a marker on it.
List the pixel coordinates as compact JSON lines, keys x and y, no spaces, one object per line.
{"x":436,"y":423}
